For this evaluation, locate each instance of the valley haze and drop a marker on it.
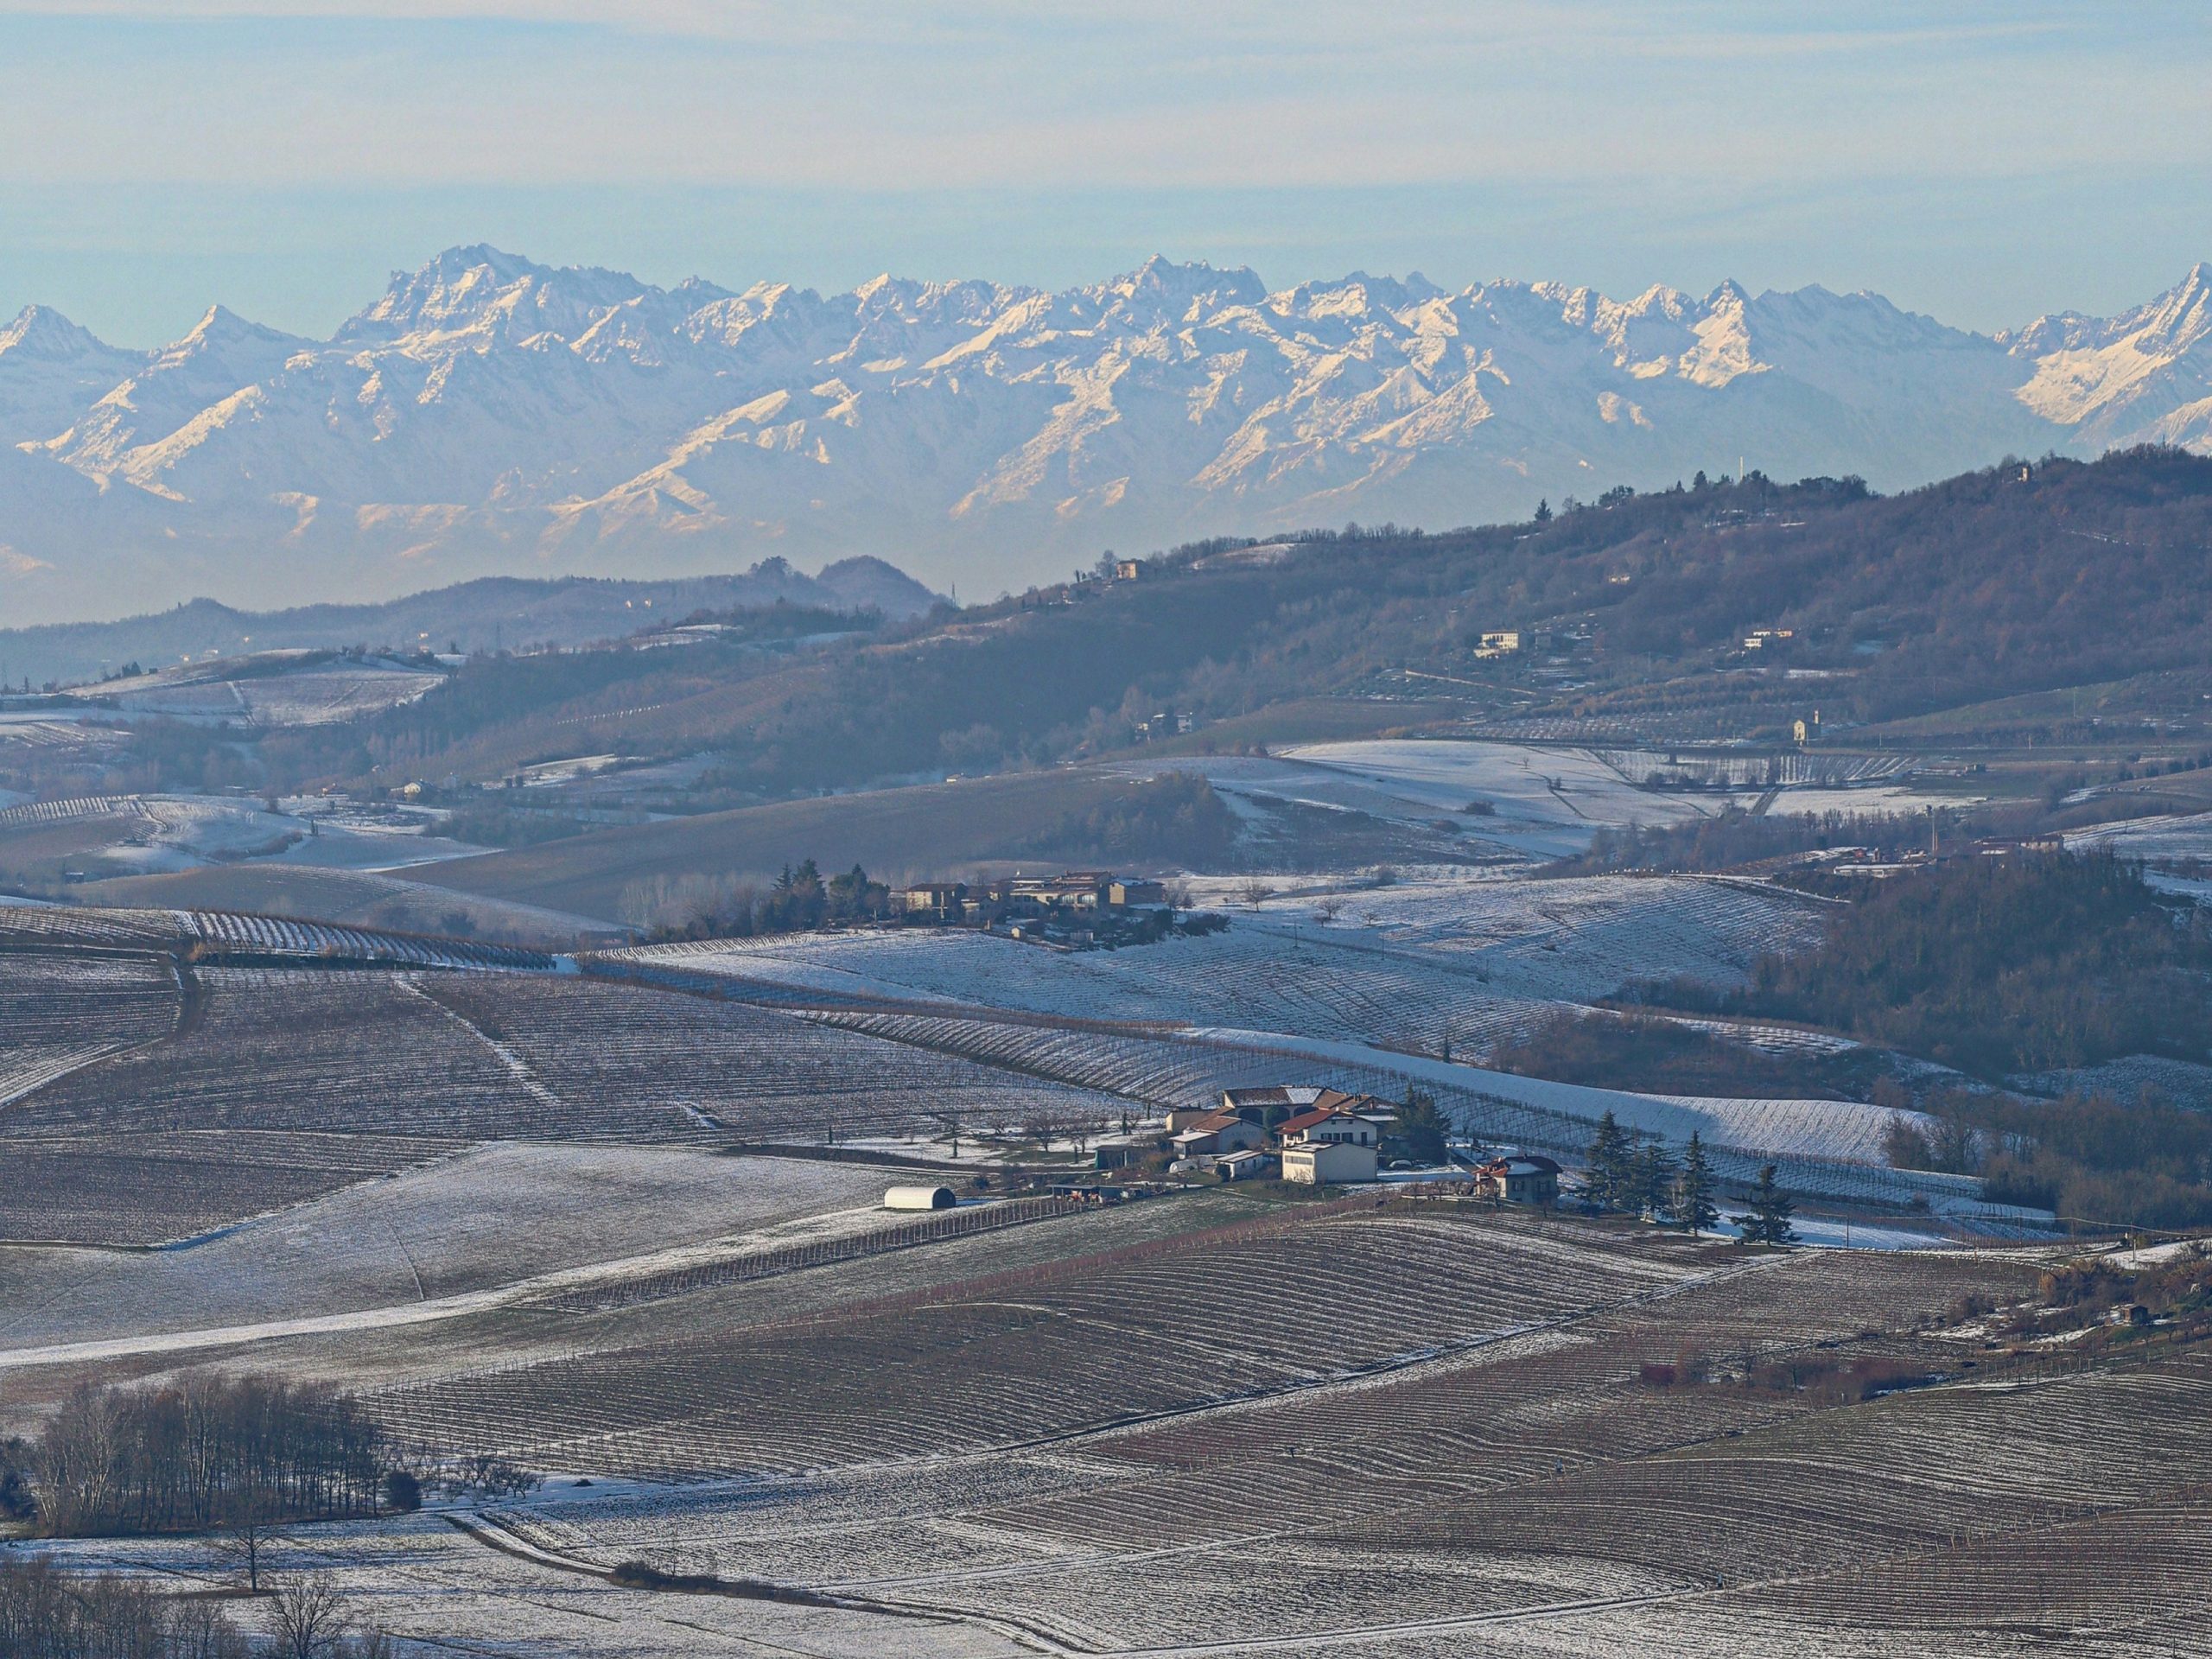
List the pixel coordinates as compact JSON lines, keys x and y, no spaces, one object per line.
{"x":490,"y":416}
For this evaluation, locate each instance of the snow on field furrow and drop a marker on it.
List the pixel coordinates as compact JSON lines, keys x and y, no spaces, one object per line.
{"x":65,"y":811}
{"x":1135,"y":1341}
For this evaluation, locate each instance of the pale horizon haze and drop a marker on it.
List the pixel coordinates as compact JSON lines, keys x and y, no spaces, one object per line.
{"x":1981,"y":163}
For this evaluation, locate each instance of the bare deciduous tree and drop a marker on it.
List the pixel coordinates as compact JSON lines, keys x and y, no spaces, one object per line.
{"x":310,"y":1620}
{"x":249,"y":1524}
{"x":1255,"y":892}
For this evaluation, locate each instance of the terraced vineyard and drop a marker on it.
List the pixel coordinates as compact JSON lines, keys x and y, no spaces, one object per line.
{"x":757,"y":1073}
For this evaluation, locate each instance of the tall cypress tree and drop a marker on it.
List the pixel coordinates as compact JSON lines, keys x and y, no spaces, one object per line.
{"x":1768,"y":1222}
{"x":1651,"y":1179}
{"x":1693,"y":1206}
{"x":1609,"y":1158}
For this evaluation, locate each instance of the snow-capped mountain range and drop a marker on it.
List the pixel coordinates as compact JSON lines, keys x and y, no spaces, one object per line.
{"x":491,"y":415}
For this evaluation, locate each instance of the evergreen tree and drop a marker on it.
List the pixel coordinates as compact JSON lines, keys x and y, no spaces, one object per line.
{"x":1421,"y":1127}
{"x":1650,"y":1181}
{"x":1767,"y":1222}
{"x":1543,"y":513}
{"x":1609,"y":1165}
{"x":1694,"y":1207}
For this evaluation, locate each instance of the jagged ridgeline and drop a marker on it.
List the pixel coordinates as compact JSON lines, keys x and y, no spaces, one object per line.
{"x":488,"y":415}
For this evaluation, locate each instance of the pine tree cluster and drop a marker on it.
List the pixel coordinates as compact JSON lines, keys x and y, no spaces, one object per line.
{"x":1641,"y":1174}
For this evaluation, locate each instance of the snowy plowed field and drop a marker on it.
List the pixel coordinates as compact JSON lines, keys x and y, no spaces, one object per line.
{"x":467,"y":1222}
{"x":2179,"y":838}
{"x":1467,"y":959}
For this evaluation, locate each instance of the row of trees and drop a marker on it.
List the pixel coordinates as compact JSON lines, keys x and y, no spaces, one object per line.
{"x":241,"y":1452}
{"x":1640,"y":1174}
{"x":47,"y":1613}
{"x":2146,"y":1163}
{"x":1737,"y":837}
{"x":801,"y":899}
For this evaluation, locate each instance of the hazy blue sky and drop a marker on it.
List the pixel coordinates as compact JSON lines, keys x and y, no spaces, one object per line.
{"x":1982,"y":162}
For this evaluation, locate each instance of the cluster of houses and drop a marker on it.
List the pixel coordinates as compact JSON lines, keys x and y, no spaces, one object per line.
{"x":1324,"y":1137}
{"x":1076,"y":908}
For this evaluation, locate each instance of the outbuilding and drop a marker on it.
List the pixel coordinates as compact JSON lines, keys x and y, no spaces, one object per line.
{"x":1318,"y":1163}
{"x":1218,"y":1133}
{"x":920,"y":1198}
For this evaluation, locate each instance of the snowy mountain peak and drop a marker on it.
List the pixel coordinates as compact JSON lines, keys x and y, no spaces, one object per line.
{"x":1175,"y":287}
{"x":221,"y":329}
{"x":40,"y":331}
{"x":484,"y":292}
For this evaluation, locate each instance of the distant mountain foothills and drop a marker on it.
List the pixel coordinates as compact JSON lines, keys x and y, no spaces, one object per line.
{"x":488,"y":415}
{"x":492,"y":613}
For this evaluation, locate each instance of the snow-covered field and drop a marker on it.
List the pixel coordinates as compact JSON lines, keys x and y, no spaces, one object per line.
{"x":321,"y":693}
{"x":1881,"y":799}
{"x":432,"y":1242}
{"x":1564,"y":787}
{"x":1443,"y":955}
{"x":2151,"y":838}
{"x":440,"y":1591}
{"x":1542,"y":802}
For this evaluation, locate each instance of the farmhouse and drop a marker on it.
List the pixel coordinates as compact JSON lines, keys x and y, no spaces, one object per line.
{"x":1498,"y":642}
{"x":1338,"y":1124}
{"x":1330,"y":1143}
{"x":1521,"y":1179}
{"x":936,"y":901}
